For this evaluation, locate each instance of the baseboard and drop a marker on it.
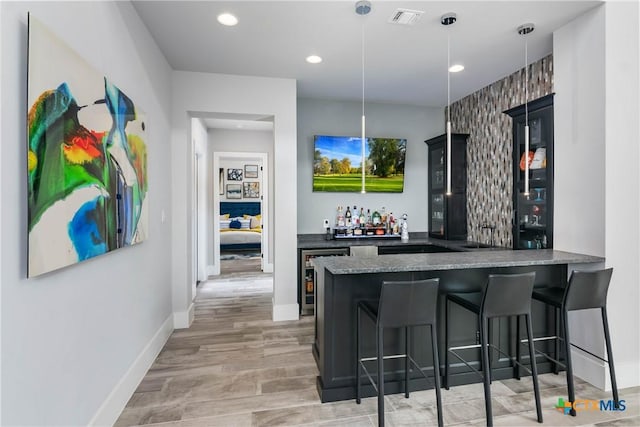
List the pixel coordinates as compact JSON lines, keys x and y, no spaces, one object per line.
{"x":285,"y":312}
{"x":113,"y":405}
{"x":627,"y":374}
{"x":211,"y":270}
{"x":184,"y":319}
{"x":268,"y":268}
{"x":596,"y":372}
{"x":589,"y":369}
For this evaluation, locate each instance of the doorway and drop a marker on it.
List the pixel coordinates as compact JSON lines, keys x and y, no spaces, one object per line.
{"x":240,"y":209}
{"x":242,"y":233}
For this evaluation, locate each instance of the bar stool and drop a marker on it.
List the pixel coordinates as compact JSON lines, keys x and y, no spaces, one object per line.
{"x":503,"y":296}
{"x":402,"y":305}
{"x":586,"y":289}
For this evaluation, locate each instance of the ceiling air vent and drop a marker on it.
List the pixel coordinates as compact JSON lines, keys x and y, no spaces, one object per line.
{"x":405,"y":16}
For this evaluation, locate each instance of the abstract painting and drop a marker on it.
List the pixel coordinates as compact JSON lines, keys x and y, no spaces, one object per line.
{"x":87,"y":159}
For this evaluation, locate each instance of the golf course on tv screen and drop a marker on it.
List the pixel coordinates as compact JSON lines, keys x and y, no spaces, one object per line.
{"x":338,"y":164}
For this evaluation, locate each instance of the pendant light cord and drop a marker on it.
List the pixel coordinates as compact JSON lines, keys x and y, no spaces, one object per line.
{"x":363,"y":120}
{"x":448,"y":77}
{"x":526,"y":81}
{"x":362,"y":48}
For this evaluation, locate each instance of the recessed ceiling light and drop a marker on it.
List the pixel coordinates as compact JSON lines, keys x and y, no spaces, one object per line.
{"x":313,"y":59}
{"x":227,"y":19}
{"x":456,"y":68}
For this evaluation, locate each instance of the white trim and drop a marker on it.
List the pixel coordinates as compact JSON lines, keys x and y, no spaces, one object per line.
{"x":268,"y":267}
{"x":285,"y":312}
{"x":184,"y":319}
{"x":116,"y":401}
{"x":589,"y":369}
{"x":596,"y":372}
{"x":211,"y":270}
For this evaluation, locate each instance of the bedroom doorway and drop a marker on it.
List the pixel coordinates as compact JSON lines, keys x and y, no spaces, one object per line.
{"x":240,"y":212}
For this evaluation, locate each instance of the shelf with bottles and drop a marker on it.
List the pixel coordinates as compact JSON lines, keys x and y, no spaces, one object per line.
{"x":364,"y":232}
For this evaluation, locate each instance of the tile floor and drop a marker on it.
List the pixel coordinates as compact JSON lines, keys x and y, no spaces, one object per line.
{"x":235,"y":367}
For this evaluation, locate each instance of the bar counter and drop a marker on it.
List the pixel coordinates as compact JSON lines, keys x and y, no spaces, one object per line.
{"x":342,"y":281}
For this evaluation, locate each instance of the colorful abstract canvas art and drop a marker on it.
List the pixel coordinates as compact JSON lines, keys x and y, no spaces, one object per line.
{"x":87,"y":159}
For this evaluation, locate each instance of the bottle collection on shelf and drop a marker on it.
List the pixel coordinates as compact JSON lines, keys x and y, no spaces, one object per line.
{"x":360,"y":223}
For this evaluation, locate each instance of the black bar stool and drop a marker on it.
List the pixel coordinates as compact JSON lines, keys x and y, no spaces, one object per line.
{"x":402,"y":305}
{"x":586,"y":289}
{"x":503,"y":296}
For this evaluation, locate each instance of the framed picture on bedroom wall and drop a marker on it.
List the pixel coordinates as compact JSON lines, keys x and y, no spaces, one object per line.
{"x":250,"y":171}
{"x":221,"y":182}
{"x":251,"y":190}
{"x":234,"y":174}
{"x":234,"y":191}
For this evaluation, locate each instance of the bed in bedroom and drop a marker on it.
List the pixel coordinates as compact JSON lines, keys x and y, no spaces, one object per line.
{"x":240,"y":226}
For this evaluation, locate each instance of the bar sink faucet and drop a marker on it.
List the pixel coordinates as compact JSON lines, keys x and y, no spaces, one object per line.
{"x":491,"y":228}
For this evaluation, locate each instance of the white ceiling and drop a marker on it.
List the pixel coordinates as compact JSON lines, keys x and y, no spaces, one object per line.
{"x":403,"y":64}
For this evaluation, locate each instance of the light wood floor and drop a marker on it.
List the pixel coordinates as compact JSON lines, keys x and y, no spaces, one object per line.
{"x":235,"y":367}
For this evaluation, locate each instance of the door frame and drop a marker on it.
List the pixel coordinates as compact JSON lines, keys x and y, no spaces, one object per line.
{"x":263,"y":159}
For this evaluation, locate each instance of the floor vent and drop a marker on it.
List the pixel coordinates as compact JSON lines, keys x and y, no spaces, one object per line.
{"x":405,"y":16}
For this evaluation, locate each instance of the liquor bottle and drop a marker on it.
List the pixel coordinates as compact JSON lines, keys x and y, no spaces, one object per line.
{"x":340,"y":217}
{"x":376,"y":219}
{"x":355,"y":216}
{"x":383,"y":216}
{"x":363,"y":219}
{"x":347,"y":217}
{"x":368,"y":217}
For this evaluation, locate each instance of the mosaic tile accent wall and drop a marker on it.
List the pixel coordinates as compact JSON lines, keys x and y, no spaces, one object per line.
{"x":489,"y":148}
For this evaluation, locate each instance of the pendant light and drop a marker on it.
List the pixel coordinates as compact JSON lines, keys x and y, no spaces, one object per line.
{"x":523,"y":30}
{"x":363,"y":7}
{"x":448,"y":19}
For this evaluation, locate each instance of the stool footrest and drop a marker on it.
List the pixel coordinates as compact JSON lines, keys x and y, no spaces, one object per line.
{"x":394,"y":356}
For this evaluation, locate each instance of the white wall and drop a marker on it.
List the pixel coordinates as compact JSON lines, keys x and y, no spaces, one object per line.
{"x":200,"y":146}
{"x":622,"y":246}
{"x":324,"y":117}
{"x":198,"y":93}
{"x":596,"y":133}
{"x":76,"y":341}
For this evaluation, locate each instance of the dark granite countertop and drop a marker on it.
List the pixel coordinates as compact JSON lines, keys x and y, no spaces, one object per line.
{"x":450,"y":261}
{"x":317,"y":241}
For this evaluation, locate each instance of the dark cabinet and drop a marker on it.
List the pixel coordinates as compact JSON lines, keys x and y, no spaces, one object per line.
{"x":533,"y":213}
{"x":448,"y":213}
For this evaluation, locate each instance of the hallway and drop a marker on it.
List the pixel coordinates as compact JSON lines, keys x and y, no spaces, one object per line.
{"x":235,"y":367}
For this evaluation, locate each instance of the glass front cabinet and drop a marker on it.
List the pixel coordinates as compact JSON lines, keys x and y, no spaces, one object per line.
{"x":307,"y":277}
{"x":533,"y":213}
{"x":447,"y":214}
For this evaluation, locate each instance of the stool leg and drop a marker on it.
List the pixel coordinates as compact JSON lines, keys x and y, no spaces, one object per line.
{"x":556,"y":367}
{"x":380,"y":351}
{"x":358,"y":355}
{"x":534,"y":369}
{"x":489,"y":349}
{"x":518,"y":358}
{"x":486,"y":368}
{"x":612,"y":372}
{"x":446,"y":344}
{"x":567,"y":350}
{"x":436,"y":373}
{"x":407,"y":365}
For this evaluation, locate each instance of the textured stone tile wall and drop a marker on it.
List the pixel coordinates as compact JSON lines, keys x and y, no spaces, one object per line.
{"x":489,"y":148}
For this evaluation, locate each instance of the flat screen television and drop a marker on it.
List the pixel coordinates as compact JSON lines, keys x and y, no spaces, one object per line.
{"x":338,"y":160}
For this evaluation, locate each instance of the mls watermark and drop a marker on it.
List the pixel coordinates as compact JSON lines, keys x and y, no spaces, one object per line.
{"x":589,"y":405}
